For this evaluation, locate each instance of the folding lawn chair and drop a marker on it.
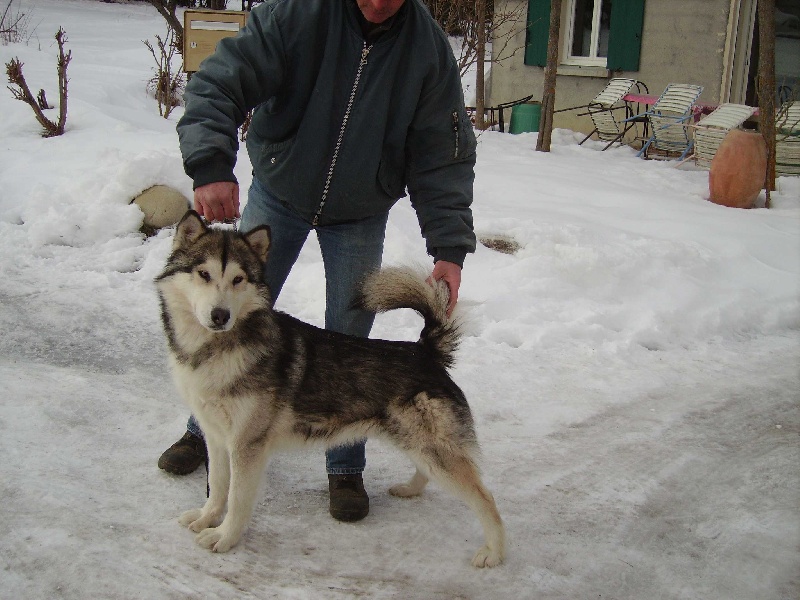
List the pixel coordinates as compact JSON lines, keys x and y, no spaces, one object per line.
{"x":602,"y":108}
{"x":712,"y":129}
{"x":607,"y":126}
{"x":669,"y":120}
{"x":787,"y":139}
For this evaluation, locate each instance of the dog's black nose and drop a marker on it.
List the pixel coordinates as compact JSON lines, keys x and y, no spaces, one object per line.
{"x":220,"y":316}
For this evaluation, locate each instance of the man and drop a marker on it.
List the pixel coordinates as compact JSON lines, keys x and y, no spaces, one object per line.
{"x":355,"y":101}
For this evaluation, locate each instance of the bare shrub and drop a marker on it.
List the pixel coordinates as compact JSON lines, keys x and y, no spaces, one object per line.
{"x":166,"y":85}
{"x":20,"y":90}
{"x":474,"y":23}
{"x":459,"y":18}
{"x":14,"y":25}
{"x":168,"y":10}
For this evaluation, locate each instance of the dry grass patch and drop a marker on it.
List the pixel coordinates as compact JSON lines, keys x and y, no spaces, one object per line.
{"x":503,"y":244}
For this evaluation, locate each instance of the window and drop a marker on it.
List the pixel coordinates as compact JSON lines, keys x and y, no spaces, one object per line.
{"x":589,"y":26}
{"x":601,"y":33}
{"x":787,"y":50}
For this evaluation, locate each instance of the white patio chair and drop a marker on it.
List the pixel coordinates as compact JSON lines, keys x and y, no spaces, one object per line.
{"x":787,"y":139}
{"x":607,"y":126}
{"x":669,"y":120}
{"x":712,"y":129}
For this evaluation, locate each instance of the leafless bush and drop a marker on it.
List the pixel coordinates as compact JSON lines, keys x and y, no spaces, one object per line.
{"x":459,"y":19}
{"x":166,"y":85}
{"x":168,"y":10}
{"x":20,"y":90}
{"x":476,"y":24}
{"x":14,"y":25}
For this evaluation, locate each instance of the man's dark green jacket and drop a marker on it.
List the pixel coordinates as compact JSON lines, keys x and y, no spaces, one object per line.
{"x":300,"y":64}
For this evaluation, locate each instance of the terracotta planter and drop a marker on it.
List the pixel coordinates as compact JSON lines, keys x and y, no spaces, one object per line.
{"x":738,"y":169}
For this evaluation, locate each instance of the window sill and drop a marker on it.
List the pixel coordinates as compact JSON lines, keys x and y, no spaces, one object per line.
{"x":579,"y":71}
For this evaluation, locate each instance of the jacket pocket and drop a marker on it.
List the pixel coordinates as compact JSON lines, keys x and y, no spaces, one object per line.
{"x":271,"y":156}
{"x":274,"y":150}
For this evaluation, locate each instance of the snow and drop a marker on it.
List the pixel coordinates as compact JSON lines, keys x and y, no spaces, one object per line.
{"x":634,"y":370}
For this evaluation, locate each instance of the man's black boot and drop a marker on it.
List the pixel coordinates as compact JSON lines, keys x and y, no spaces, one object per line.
{"x":184,"y":456}
{"x":348,"y":498}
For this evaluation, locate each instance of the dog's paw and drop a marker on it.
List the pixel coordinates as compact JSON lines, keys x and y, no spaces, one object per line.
{"x":216,"y":540}
{"x":404,"y":490}
{"x":486,"y":557}
{"x":190,"y":516}
{"x":195,"y":520}
{"x":413,"y":487}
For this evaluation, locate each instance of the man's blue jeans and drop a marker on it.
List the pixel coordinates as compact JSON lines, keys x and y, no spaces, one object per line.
{"x":349,"y":252}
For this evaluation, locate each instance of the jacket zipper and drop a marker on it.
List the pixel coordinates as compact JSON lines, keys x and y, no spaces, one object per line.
{"x":455,"y":131}
{"x":364,"y":52}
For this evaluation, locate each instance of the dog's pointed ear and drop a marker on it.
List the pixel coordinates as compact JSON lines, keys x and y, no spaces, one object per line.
{"x":260,"y":240}
{"x":190,"y":228}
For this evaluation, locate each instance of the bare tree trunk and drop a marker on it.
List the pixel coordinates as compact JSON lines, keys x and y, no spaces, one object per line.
{"x":480,"y":75}
{"x":766,"y":85}
{"x":549,"y":92}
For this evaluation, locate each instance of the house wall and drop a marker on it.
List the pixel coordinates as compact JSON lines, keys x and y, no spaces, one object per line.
{"x":683,"y":41}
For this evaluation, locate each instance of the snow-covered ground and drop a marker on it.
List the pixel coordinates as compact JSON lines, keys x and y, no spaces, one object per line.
{"x":634,"y":370}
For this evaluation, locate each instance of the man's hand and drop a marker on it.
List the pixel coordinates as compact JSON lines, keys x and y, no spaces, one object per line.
{"x":217,"y":201}
{"x":451,"y":273}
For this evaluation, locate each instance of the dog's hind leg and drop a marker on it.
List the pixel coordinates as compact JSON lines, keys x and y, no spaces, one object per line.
{"x":247,"y":466}
{"x":455,"y":470}
{"x":438,"y":435}
{"x":219,"y":474}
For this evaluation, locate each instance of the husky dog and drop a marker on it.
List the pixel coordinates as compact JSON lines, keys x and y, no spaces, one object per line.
{"x":257,"y":379}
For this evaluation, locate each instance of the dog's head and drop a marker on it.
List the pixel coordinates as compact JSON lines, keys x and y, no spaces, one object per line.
{"x":216,"y":275}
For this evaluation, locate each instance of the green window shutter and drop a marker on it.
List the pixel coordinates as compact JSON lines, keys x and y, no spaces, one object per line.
{"x":625,"y":37}
{"x":538,"y":31}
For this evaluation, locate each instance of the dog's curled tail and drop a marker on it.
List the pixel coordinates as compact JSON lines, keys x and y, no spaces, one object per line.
{"x":404,"y":287}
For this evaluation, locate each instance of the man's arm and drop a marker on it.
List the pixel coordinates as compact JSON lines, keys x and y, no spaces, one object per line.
{"x":440,"y":178}
{"x":243,"y":72}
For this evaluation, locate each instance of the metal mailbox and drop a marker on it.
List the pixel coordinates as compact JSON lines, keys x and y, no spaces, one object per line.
{"x":202,"y":29}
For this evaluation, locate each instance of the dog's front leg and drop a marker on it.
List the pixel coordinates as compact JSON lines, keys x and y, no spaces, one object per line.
{"x":247,"y":465}
{"x":219,"y":474}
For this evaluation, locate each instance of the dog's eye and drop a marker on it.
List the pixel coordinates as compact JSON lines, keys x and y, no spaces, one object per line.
{"x":238,"y":279}
{"x":204,"y":275}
